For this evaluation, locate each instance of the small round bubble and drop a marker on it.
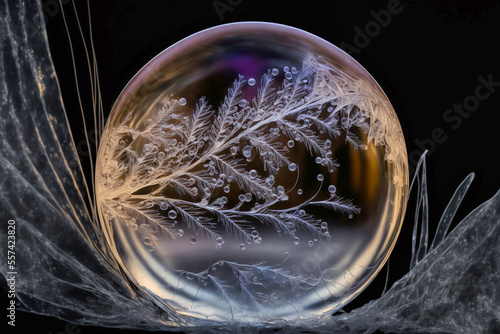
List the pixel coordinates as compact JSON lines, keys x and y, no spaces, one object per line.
{"x":253,"y":174}
{"x":172,"y":214}
{"x":243,"y":103}
{"x":247,"y":151}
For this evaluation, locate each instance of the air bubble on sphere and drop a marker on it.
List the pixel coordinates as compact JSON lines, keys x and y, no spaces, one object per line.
{"x":243,"y":247}
{"x":288,"y":75}
{"x":219,"y":241}
{"x":290,"y":143}
{"x":226,"y":189}
{"x":300,"y":191}
{"x":134,"y":227}
{"x":310,"y":243}
{"x":324,"y":225}
{"x":286,"y":69}
{"x":181,"y":232}
{"x":280,"y":190}
{"x":292,"y":167}
{"x":219,"y":183}
{"x":253,"y":174}
{"x":332,"y":189}
{"x":248,"y":197}
{"x":275,"y":71}
{"x":251,"y":81}
{"x":234,"y":150}
{"x":243,"y":103}
{"x":270,"y":180}
{"x":193,"y":240}
{"x":296,"y":241}
{"x":247,"y":151}
{"x":318,"y":160}
{"x":320,"y":177}
{"x":295,"y":70}
{"x":182,"y":101}
{"x":172,"y":214}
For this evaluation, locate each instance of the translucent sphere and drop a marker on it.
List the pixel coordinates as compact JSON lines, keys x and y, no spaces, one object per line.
{"x":252,"y":171}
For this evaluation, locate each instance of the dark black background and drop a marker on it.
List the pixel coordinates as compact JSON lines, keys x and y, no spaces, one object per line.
{"x":427,"y":59}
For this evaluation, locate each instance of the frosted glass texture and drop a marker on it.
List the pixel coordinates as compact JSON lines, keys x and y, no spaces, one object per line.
{"x":252,"y":171}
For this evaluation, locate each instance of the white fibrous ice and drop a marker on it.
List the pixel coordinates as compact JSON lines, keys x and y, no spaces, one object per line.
{"x":75,"y":264}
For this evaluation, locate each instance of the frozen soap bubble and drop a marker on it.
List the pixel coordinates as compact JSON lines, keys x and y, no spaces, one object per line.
{"x":193,"y":149}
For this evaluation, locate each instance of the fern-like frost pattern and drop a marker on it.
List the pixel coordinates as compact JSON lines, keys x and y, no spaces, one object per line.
{"x":175,"y":166}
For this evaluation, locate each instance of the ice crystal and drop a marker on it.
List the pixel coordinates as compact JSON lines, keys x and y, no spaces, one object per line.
{"x":179,"y":161}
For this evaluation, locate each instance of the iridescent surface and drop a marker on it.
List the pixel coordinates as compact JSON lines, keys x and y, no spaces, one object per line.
{"x":252,"y":171}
